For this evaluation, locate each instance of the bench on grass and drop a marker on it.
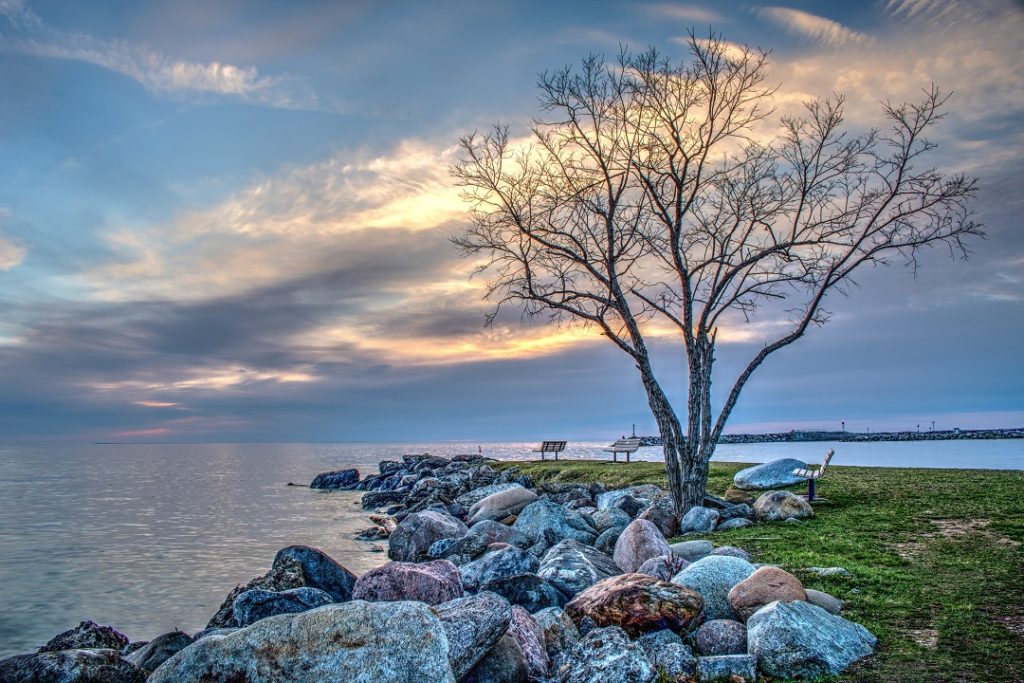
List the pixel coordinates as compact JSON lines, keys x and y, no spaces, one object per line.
{"x":546,"y":447}
{"x":811,"y":475}
{"x":626,"y":446}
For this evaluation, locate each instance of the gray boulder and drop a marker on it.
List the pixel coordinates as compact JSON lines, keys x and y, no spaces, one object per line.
{"x":604,"y":655}
{"x":778,"y":506}
{"x":727,"y":669}
{"x":256,"y":604}
{"x":412,"y":538}
{"x":639,"y":542}
{"x":545,"y":516}
{"x":159,"y":650}
{"x":494,"y":532}
{"x":668,"y":654}
{"x":801,"y":640}
{"x":643,"y":492}
{"x":662,"y":512}
{"x":572,"y":567}
{"x":692,"y":550}
{"x":473,"y":624}
{"x":825,"y":601}
{"x":342,"y":479}
{"x":530,"y":638}
{"x":769,"y":475}
{"x":721,"y":637}
{"x":559,"y":631}
{"x":430,"y":582}
{"x":698,"y":520}
{"x":357,"y":642}
{"x":497,"y":564}
{"x":607,"y":539}
{"x":319,"y":570}
{"x":470,"y":498}
{"x":503,"y":663}
{"x":528,"y":591}
{"x":732,"y":551}
{"x":713,"y":577}
{"x":663,"y":567}
{"x":70,"y":666}
{"x":501,"y":504}
{"x":87,"y":635}
{"x":610,"y":518}
{"x":735,"y":523}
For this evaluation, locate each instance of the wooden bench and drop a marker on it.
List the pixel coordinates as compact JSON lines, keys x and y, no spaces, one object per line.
{"x":546,"y":447}
{"x":626,"y":446}
{"x":811,"y":475}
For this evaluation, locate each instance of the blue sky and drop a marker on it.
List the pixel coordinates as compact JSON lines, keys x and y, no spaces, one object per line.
{"x":228,"y":221}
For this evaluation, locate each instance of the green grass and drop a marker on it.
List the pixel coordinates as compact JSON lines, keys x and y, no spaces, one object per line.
{"x":937,"y":558}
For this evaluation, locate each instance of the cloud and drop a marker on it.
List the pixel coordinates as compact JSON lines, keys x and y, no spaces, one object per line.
{"x":811,"y":26}
{"x":22,"y":31}
{"x":682,"y":12}
{"x":11,"y":254}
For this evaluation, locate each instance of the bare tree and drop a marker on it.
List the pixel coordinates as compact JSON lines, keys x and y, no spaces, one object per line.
{"x":644,"y":201}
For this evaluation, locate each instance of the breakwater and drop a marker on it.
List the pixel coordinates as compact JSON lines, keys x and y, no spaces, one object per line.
{"x":801,"y":436}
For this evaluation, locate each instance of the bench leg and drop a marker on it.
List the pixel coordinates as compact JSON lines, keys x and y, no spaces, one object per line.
{"x":627,"y":456}
{"x":615,"y":457}
{"x":810,"y":490}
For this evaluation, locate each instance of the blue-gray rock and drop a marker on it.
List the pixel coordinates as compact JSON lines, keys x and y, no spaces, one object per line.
{"x":609,"y":518}
{"x":70,"y":666}
{"x":559,"y":631}
{"x":825,"y":601}
{"x":631,"y":505}
{"x":727,"y":669}
{"x":800,"y":640}
{"x":497,"y":564}
{"x":501,"y":504}
{"x":735,"y":512}
{"x":469,"y":498}
{"x":721,"y":637}
{"x":663,"y":567}
{"x":606,"y":540}
{"x":159,"y":650}
{"x":644,"y":492}
{"x":495,"y":532}
{"x":692,"y":550}
{"x":529,"y":591}
{"x":668,"y":654}
{"x":473,"y":624}
{"x":572,"y":567}
{"x":548,"y":516}
{"x":604,"y":655}
{"x":639,"y":542}
{"x":732,"y":551}
{"x":713,"y":577}
{"x":341,"y":479}
{"x":769,"y":475}
{"x":663,"y":513}
{"x":87,"y":635}
{"x":530,"y":638}
{"x":412,"y":538}
{"x":503,"y":663}
{"x":830,"y":571}
{"x":319,"y":570}
{"x":779,"y":506}
{"x":356,"y":642}
{"x":698,"y":520}
{"x":214,"y":632}
{"x":253,"y":605}
{"x":735,"y":523}
{"x":430,"y":582}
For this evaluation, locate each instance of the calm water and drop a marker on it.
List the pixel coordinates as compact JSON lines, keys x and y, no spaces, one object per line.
{"x":148,"y":538}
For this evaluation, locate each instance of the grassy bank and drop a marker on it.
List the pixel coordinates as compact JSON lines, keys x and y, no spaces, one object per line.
{"x":937,"y":558}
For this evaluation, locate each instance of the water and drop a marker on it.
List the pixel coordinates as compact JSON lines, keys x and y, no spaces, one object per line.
{"x":149,"y":538}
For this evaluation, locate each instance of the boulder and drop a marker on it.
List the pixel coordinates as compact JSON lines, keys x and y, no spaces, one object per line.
{"x":776,"y":506}
{"x":88,"y":635}
{"x":638,"y":604}
{"x":319,"y":570}
{"x":70,"y":666}
{"x":497,"y":564}
{"x":736,"y":523}
{"x":412,"y":538}
{"x":692,"y":550}
{"x":503,"y":663}
{"x":610,"y":518}
{"x":526,"y":590}
{"x":663,"y":567}
{"x":645,"y":492}
{"x":663,"y":514}
{"x":548,"y":516}
{"x":765,"y":585}
{"x":283,"y":575}
{"x":256,"y":604}
{"x":639,"y":542}
{"x":159,"y":650}
{"x":530,"y":638}
{"x":742,"y":510}
{"x":341,"y":479}
{"x":668,"y":654}
{"x":732,"y":551}
{"x":501,"y":504}
{"x":377,"y":499}
{"x":604,"y":655}
{"x":801,"y":640}
{"x":470,"y":498}
{"x":572,"y":567}
{"x":473,"y":624}
{"x":769,"y":475}
{"x":727,"y":669}
{"x":721,"y":637}
{"x":713,"y":577}
{"x":430,"y":582}
{"x":698,"y":520}
{"x":357,"y":641}
{"x":823,"y":600}
{"x":559,"y":631}
{"x":494,"y":532}
{"x":738,"y":496}
{"x":607,"y":539}
{"x":631,"y":505}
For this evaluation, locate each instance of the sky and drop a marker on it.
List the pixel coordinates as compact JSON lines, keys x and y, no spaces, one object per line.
{"x":226,"y":221}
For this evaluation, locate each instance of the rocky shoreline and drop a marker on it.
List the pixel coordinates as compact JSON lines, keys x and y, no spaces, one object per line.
{"x":494,"y":579}
{"x":799,"y":436}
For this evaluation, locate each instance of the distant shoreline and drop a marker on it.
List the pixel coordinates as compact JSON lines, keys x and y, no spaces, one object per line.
{"x":801,"y":436}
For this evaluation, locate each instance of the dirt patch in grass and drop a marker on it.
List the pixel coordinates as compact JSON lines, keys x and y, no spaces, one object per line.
{"x":1013,"y":623}
{"x":956,"y":529}
{"x":925,"y":637}
{"x":911,"y":550}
